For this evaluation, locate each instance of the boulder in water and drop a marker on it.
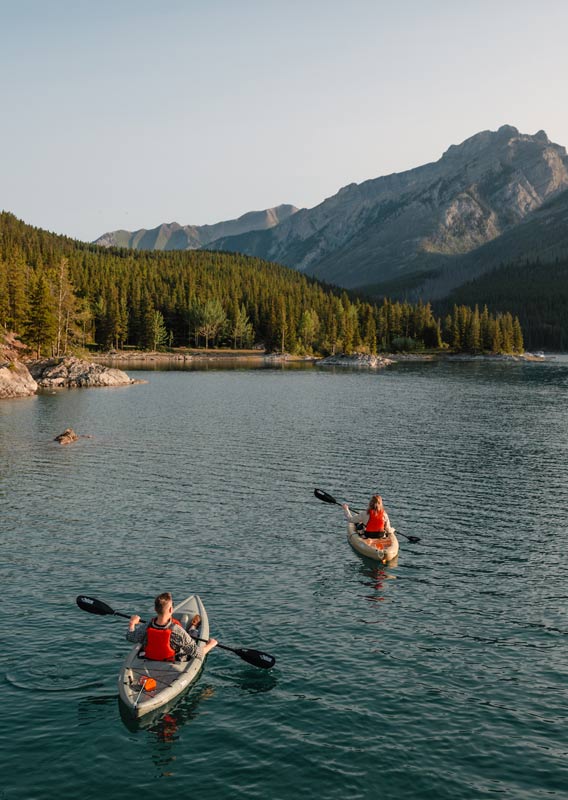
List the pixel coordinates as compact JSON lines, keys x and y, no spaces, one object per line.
{"x":67,"y":436}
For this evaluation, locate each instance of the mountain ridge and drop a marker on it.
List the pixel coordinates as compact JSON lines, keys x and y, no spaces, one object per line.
{"x":424,"y":230}
{"x":173,"y":236}
{"x":411,"y":222}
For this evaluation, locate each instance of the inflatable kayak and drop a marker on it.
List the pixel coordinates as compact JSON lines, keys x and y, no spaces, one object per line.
{"x":386,"y":550}
{"x":145,"y":685}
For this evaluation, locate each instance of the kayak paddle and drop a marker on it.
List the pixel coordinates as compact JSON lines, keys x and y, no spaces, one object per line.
{"x":327,"y":498}
{"x":255,"y":657}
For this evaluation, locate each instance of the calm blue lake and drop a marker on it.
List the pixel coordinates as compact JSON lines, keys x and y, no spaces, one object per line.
{"x":443,"y":676}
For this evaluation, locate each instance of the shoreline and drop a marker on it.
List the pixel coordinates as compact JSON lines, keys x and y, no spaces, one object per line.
{"x":232,"y":355}
{"x":200,"y":355}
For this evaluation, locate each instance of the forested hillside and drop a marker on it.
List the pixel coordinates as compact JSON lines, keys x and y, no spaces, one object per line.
{"x":57,"y":292}
{"x":536,"y":292}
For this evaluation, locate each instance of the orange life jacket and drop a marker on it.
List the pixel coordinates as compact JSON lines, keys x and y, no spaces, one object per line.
{"x":376,"y":523}
{"x":158,"y":646}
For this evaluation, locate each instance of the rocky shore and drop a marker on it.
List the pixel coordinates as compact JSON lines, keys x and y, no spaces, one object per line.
{"x":201,"y":355}
{"x":18,"y":379}
{"x":15,"y":380}
{"x":356,"y":360}
{"x":74,"y":372}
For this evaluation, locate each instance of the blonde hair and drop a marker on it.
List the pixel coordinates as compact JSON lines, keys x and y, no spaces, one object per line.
{"x":376,"y":503}
{"x":161,"y":602}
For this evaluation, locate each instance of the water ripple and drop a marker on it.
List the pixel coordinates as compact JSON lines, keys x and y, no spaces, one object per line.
{"x":454,"y":658}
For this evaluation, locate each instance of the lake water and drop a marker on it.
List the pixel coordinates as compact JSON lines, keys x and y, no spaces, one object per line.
{"x":441,"y":677}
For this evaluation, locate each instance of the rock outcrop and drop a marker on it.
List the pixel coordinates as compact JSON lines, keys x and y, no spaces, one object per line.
{"x":16,"y":380}
{"x":356,"y":360}
{"x":73,"y":372}
{"x":67,"y":436}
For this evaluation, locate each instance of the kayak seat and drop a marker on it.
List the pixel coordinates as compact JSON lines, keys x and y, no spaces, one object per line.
{"x":184,"y":621}
{"x":143,"y":657}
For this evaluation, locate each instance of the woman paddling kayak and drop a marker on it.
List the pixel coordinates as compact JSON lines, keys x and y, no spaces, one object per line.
{"x":375,"y":519}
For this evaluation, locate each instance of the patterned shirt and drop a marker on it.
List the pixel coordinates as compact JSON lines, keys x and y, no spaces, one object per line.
{"x":180,"y":641}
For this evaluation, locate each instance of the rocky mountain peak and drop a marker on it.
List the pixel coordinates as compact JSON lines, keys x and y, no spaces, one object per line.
{"x":410,"y":221}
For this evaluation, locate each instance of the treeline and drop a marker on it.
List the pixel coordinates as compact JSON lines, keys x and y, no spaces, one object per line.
{"x":534,"y":291}
{"x":58,"y":293}
{"x":470,"y":331}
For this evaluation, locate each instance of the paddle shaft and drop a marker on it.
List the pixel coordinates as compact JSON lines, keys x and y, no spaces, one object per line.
{"x":255,"y":657}
{"x":222,"y":646}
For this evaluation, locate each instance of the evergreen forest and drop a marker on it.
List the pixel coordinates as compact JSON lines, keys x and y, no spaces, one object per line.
{"x":536,"y":292}
{"x":59,"y":294}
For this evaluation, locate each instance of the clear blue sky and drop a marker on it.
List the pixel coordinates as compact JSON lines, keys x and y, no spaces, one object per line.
{"x":129,"y":113}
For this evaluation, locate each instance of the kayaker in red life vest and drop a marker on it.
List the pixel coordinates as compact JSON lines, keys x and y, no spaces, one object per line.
{"x":375,"y":519}
{"x":164,"y":637}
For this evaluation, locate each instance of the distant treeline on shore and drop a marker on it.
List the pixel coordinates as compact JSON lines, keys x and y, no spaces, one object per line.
{"x":530,"y":290}
{"x":58,"y":293}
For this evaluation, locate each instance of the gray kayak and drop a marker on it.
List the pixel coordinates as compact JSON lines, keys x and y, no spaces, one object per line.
{"x":171,"y":677}
{"x":387,"y":548}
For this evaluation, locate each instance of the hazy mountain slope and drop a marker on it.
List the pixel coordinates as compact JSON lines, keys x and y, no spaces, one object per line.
{"x":173,"y":236}
{"x":412,"y":222}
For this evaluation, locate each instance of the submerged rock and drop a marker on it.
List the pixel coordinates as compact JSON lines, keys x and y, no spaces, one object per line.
{"x":67,"y":436}
{"x":70,"y":372}
{"x":16,"y":380}
{"x":355,"y":360}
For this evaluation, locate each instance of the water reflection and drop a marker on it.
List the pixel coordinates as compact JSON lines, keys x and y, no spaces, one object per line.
{"x":203,"y":364}
{"x":375,"y":577}
{"x":91,"y":708}
{"x":165,"y":722}
{"x":252,"y":681}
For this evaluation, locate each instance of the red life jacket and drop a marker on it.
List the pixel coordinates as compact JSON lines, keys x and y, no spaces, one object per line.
{"x":158,"y":642}
{"x":376,"y":523}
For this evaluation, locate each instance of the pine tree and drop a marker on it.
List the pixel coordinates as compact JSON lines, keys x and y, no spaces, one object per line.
{"x":242,"y":332}
{"x":17,"y":279}
{"x":518,"y":344}
{"x":497,"y":341}
{"x":309,"y":327}
{"x":473,"y":333}
{"x":486,"y":330}
{"x":457,"y":341}
{"x":159,"y":332}
{"x":506,"y":325}
{"x":41,"y":325}
{"x":213,"y":317}
{"x":4,"y":300}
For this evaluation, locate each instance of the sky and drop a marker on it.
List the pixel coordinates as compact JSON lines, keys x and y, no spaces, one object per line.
{"x":130,"y":113}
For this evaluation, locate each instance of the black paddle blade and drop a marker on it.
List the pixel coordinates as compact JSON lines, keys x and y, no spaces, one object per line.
{"x":327,"y":498}
{"x":255,"y":657}
{"x":413,"y":539}
{"x":93,"y":606}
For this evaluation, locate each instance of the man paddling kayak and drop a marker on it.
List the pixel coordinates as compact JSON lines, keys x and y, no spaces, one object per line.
{"x":375,"y":519}
{"x":164,"y":638}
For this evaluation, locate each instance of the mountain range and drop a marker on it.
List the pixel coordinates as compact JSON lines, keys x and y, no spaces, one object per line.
{"x":498,"y":196}
{"x":172,"y":236}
